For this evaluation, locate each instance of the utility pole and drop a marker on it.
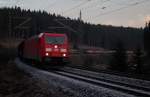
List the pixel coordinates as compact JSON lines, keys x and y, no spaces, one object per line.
{"x":10,"y":29}
{"x":80,"y":15}
{"x":80,"y":29}
{"x":75,"y":43}
{"x":21,"y":25}
{"x":65,"y":26}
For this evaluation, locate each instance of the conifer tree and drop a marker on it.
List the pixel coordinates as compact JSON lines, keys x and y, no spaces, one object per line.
{"x":137,"y":60}
{"x":119,"y":59}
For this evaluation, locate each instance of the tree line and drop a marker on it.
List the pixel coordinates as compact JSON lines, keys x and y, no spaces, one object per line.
{"x":20,"y":23}
{"x":17,"y":22}
{"x":139,"y":61}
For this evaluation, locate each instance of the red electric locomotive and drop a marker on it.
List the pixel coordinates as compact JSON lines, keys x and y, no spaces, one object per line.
{"x":46,"y":47}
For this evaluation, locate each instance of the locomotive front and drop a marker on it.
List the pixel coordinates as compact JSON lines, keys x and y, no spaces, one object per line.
{"x":55,"y":47}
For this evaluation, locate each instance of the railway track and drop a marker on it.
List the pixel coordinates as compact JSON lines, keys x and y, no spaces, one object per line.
{"x":106,"y":77}
{"x":114,"y":85}
{"x":123,"y":87}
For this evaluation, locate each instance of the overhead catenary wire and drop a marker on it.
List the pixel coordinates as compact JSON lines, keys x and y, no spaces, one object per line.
{"x":92,"y":5}
{"x":118,"y":9}
{"x":95,"y":5}
{"x":17,"y":2}
{"x":84,"y":6}
{"x":14,"y":2}
{"x":100,"y":14}
{"x":98,"y":6}
{"x":80,"y":4}
{"x":52,"y":4}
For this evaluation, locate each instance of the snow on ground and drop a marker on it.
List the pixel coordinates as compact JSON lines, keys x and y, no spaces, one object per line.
{"x":69,"y":86}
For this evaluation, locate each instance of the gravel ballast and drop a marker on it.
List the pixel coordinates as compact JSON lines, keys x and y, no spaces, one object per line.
{"x":115,"y":78}
{"x":68,"y":86}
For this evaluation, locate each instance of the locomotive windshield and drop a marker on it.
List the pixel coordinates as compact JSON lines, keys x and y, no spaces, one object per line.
{"x":54,"y":39}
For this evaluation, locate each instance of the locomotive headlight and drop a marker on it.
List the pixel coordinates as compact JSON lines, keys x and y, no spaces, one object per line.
{"x":48,"y":49}
{"x":63,"y":50}
{"x":46,"y":54}
{"x":55,"y":46}
{"x":64,"y":55}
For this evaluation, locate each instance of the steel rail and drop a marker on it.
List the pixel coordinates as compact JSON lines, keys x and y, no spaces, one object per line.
{"x":107,"y":84}
{"x":125,"y":88}
{"x":84,"y":73}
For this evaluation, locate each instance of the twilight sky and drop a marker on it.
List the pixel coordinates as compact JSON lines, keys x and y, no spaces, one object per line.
{"x":132,"y":13}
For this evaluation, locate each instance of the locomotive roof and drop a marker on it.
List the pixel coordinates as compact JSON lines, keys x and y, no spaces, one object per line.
{"x":51,"y":34}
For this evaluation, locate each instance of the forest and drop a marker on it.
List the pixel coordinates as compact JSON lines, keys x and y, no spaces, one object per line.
{"x":22,"y":23}
{"x":17,"y":23}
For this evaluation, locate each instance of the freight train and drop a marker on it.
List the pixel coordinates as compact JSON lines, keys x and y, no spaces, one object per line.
{"x":45,"y":47}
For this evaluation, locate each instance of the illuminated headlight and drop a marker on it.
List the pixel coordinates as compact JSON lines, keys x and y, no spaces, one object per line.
{"x":46,"y":54}
{"x":64,"y":55}
{"x":48,"y":49}
{"x":63,"y":50}
{"x":55,"y":46}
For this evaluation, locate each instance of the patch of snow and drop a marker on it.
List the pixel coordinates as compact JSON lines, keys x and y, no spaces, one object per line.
{"x":71,"y":87}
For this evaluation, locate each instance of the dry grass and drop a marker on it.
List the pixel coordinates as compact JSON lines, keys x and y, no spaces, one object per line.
{"x":9,"y":43}
{"x":98,"y":61}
